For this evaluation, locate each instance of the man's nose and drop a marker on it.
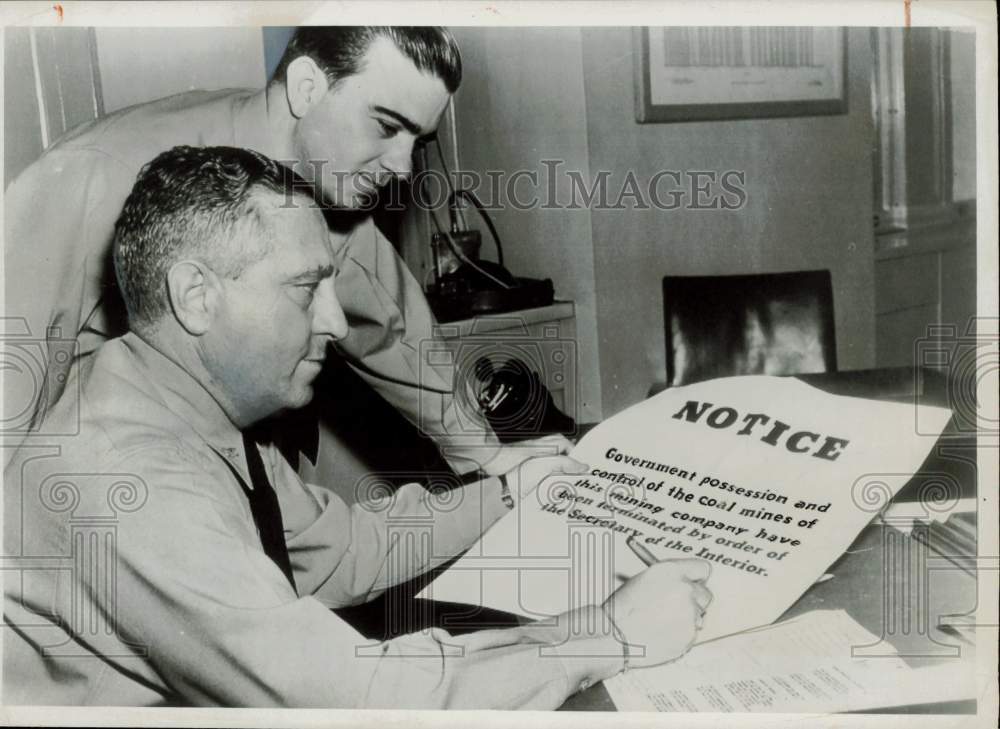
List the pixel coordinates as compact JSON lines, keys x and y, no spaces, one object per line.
{"x":399,"y":159}
{"x":328,"y":315}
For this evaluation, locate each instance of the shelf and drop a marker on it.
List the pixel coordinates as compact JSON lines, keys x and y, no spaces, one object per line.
{"x":487,"y":323}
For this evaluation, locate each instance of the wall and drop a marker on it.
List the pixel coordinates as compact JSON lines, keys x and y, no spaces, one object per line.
{"x":142,"y":64}
{"x":925,"y":273}
{"x":963,"y":114}
{"x":544,"y":93}
{"x":809,"y":189}
{"x":275,"y":39}
{"x":521,"y":102}
{"x":50,"y":86}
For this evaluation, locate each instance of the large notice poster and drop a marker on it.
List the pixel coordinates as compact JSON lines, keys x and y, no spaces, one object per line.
{"x":766,"y":478}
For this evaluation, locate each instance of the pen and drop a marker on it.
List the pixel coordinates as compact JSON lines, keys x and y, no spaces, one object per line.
{"x":641,"y":552}
{"x":646,"y":556}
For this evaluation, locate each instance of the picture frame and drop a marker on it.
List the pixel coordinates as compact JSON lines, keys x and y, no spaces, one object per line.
{"x":716,"y":73}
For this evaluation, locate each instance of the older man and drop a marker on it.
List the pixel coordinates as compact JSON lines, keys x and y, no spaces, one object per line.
{"x":168,"y":558}
{"x":345,"y":107}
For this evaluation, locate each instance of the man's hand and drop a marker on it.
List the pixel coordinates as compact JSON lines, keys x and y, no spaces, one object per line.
{"x":661,"y":609}
{"x":524,"y":478}
{"x":510,"y":456}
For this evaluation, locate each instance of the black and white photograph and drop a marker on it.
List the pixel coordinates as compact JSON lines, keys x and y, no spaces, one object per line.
{"x":607,"y":365}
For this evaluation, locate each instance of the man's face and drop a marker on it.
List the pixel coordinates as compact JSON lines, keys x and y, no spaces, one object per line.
{"x":274,"y":322}
{"x":361,"y":133}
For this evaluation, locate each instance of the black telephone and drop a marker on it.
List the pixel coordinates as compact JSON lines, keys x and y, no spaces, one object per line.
{"x":517,"y":404}
{"x":468,"y":286}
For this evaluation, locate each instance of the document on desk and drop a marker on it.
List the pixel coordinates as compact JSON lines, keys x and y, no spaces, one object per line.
{"x":804,"y":664}
{"x":767,"y":478}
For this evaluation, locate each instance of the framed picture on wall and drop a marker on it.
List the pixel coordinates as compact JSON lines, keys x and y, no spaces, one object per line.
{"x":705,"y":73}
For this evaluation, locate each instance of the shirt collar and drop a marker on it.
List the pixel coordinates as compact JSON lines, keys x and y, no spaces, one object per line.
{"x":188,"y":399}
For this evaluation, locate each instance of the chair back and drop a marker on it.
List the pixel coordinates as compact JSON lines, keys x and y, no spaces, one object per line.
{"x":772,"y":323}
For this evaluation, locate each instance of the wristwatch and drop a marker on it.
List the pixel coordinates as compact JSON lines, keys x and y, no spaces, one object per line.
{"x":505,"y":494}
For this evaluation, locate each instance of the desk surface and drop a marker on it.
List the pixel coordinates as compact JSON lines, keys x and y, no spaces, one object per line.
{"x":879,"y":580}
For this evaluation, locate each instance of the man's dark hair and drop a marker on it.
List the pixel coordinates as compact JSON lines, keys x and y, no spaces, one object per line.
{"x":339,"y":50}
{"x":201,"y":203}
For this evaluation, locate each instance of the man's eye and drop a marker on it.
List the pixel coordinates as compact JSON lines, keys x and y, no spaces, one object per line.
{"x":306,"y":292}
{"x":387,"y":129}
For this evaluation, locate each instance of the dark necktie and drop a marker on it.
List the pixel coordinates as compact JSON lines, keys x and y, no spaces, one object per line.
{"x":265,"y":510}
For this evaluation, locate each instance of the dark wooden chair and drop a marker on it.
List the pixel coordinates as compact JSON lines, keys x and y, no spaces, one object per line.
{"x":771,"y":323}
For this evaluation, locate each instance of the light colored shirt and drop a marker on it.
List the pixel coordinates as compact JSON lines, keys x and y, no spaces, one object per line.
{"x":59,"y":223}
{"x":134,"y":574}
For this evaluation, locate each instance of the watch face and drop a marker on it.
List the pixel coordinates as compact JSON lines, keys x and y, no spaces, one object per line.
{"x":505,"y":494}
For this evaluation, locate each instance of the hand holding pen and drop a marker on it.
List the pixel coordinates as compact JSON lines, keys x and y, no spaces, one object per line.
{"x":658,"y":612}
{"x":700,"y":593}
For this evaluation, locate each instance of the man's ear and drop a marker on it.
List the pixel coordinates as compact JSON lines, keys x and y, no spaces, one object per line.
{"x":194,"y":292}
{"x":305,"y":85}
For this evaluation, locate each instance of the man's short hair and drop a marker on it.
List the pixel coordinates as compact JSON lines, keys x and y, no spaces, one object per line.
{"x":200,"y":203}
{"x":340,"y":50}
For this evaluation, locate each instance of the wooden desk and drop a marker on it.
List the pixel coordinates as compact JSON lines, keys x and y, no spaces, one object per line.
{"x":890,"y":583}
